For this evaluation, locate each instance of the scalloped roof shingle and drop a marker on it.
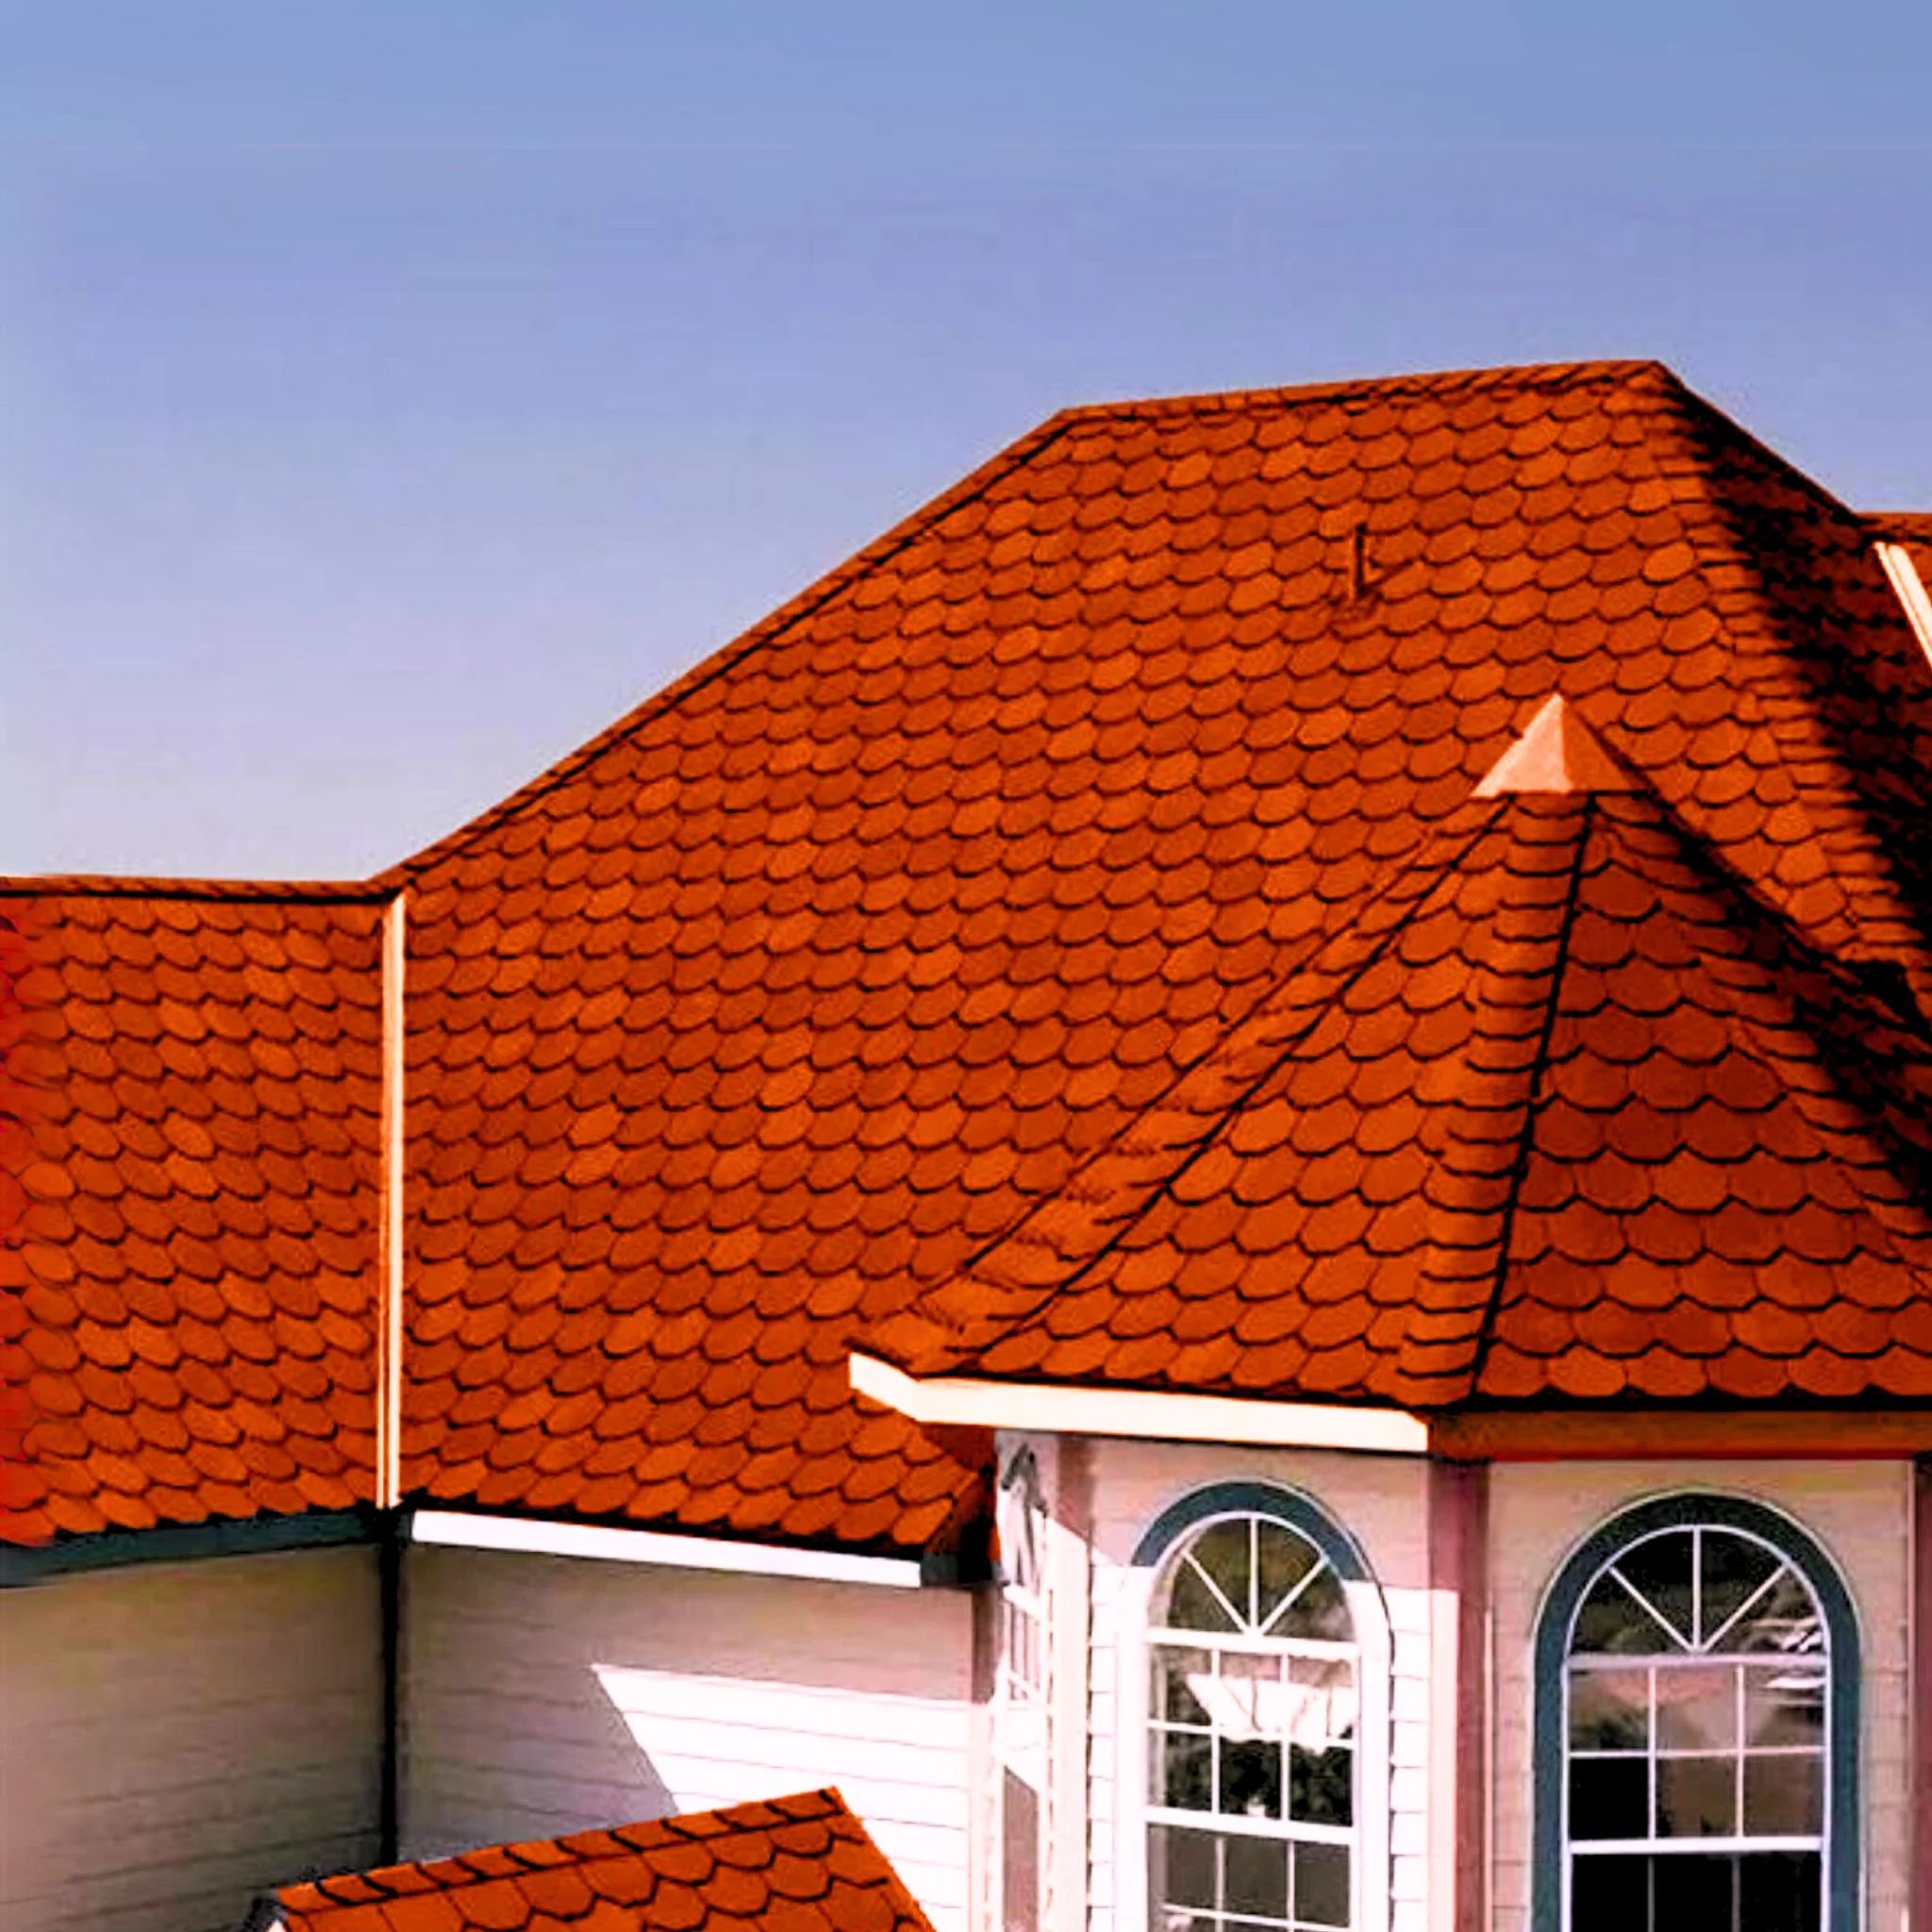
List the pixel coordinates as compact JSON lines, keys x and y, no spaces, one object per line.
{"x":752,"y":1023}
{"x":794,"y":1864}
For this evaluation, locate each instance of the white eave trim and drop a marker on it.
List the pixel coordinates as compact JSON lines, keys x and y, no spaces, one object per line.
{"x":1904,"y":574}
{"x":545,"y":1537}
{"x":1069,"y":1410}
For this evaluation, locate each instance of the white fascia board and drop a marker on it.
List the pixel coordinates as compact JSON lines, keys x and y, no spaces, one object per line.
{"x":545,"y":1537}
{"x":1067,"y":1409}
{"x":1904,"y":574}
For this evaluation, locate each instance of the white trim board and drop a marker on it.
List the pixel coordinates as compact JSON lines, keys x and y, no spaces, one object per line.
{"x":1904,"y":574}
{"x":1055,"y":1407}
{"x":546,"y":1537}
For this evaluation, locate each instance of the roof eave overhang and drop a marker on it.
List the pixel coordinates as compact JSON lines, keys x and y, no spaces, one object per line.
{"x":1771,"y":1431}
{"x":22,"y":1564}
{"x":1069,"y":1408}
{"x":543,"y":1536}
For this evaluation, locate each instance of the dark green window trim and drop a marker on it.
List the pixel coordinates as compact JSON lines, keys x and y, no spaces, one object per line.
{"x":180,"y":1542}
{"x":1842,"y":1871}
{"x":1253,"y":1499}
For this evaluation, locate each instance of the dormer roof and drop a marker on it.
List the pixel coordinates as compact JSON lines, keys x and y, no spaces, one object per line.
{"x":1565,"y":1114}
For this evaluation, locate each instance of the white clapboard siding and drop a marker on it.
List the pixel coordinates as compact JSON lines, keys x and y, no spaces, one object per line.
{"x":175,"y":1738}
{"x":548,"y":1693}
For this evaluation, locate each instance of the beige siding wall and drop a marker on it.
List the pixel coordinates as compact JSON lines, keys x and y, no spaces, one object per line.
{"x":547,"y":1694}
{"x":175,"y":1738}
{"x":1382,"y":1502}
{"x":1859,"y":1511}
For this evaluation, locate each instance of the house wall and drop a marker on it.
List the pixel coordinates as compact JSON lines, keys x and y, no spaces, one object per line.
{"x":175,"y":1738}
{"x":545,"y":1694}
{"x":1382,"y":1502}
{"x":1860,"y":1512}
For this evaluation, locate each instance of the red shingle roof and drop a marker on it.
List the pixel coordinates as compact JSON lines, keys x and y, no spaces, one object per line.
{"x":753,"y":1023}
{"x":1564,"y":1114}
{"x":799,"y":1864}
{"x":189,"y":1260}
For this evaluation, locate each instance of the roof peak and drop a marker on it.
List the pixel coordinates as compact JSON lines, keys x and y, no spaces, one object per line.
{"x":1555,"y":752}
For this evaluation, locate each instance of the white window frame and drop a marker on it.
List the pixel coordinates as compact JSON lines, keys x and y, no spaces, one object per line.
{"x":1842,"y":1846}
{"x":1576,"y":1851}
{"x":1373,"y":1653}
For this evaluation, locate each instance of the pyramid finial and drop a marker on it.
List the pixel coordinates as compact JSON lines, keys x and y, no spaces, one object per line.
{"x":1556,"y":751}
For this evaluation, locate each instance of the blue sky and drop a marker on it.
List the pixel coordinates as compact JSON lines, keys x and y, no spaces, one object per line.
{"x":391,"y":395}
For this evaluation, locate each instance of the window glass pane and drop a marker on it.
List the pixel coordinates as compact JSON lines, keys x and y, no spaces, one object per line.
{"x":1321,"y":1700}
{"x":1612,"y":1894}
{"x":1609,"y":1797}
{"x":1784,"y":1706}
{"x":1322,"y":1785}
{"x":1177,"y":1673}
{"x":1734,"y":1570}
{"x":1609,"y":1710}
{"x":1611,"y":1623}
{"x":1183,"y":1869}
{"x":1285,"y":1559}
{"x":1191,"y":1605}
{"x":1251,"y":1778}
{"x":1698,"y":1711}
{"x":1784,"y":1796}
{"x":1784,"y":1620}
{"x":1255,"y":1734}
{"x":1246,"y":1698}
{"x":1320,"y":1611}
{"x":1696,"y":1797}
{"x":1782,"y":1891}
{"x":1221,"y":1554}
{"x":1695,"y":1893}
{"x":1258,"y":1878}
{"x":1321,"y":1884}
{"x":1659,"y":1571}
{"x":1185,"y":1771}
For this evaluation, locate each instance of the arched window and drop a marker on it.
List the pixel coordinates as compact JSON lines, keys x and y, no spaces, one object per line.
{"x":1255,"y":1723}
{"x":1697,"y":1728}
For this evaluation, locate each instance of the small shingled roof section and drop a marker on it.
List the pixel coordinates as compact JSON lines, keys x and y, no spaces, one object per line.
{"x":188,"y":1224}
{"x":794,"y":1864}
{"x":1566,"y":1115}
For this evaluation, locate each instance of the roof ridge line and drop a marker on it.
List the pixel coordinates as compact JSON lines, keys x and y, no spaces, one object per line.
{"x":729,"y":656}
{"x":1748,"y":618}
{"x":1499,"y":376}
{"x":81,"y":884}
{"x":1485,"y":1323}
